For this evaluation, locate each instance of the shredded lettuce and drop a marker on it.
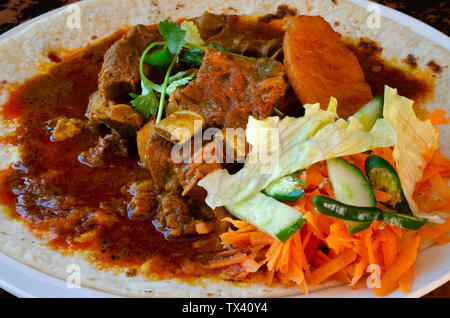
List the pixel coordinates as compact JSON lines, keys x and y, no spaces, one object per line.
{"x":416,"y":141}
{"x":281,"y":147}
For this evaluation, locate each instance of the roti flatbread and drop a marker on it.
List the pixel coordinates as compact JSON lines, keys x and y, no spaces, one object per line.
{"x":101,"y":18}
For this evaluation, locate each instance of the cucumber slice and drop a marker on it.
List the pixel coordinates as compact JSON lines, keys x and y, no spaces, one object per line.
{"x":370,"y":112}
{"x":383,"y":177}
{"x":349,"y":183}
{"x":288,"y":188}
{"x":270,"y":216}
{"x":351,"y":187}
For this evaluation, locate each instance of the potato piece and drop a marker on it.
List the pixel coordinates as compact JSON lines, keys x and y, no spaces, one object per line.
{"x":143,"y":135}
{"x":319,"y":66}
{"x":180,"y":126}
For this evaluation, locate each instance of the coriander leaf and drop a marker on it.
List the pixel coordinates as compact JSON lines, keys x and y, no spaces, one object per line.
{"x":221,"y":48}
{"x":177,"y":76}
{"x":182,"y":81}
{"x":192,"y":34}
{"x":146,"y":105}
{"x":173,"y":78}
{"x":194,"y":56}
{"x":173,"y":34}
{"x":161,"y":58}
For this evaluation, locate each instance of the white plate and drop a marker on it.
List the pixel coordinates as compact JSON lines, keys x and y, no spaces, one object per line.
{"x":431,"y":271}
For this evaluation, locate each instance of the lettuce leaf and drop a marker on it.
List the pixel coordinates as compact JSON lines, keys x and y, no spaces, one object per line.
{"x":281,"y":147}
{"x":416,"y":142}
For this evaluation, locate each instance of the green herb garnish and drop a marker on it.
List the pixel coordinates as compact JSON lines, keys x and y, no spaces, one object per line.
{"x":161,"y":58}
{"x":175,"y":38}
{"x":146,"y":104}
{"x":278,"y":112}
{"x":174,"y":82}
{"x":173,"y":34}
{"x":194,"y":56}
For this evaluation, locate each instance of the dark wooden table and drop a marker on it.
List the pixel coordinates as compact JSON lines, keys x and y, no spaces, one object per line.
{"x":434,"y":13}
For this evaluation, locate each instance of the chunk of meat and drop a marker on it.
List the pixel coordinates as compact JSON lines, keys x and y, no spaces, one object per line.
{"x":120,"y":117}
{"x":158,"y":159}
{"x":210,"y":24}
{"x":173,"y":170}
{"x":244,"y":43}
{"x":189,"y":173}
{"x":110,"y":145}
{"x":144,"y":203}
{"x":228,"y":89}
{"x":181,"y":216}
{"x":181,"y":201}
{"x":319,"y":66}
{"x":67,"y":128}
{"x":120,"y":71}
{"x":175,"y":215}
{"x":224,"y":31}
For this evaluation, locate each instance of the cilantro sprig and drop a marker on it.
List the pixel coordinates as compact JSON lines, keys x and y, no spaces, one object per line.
{"x":175,"y":39}
{"x":146,"y":104}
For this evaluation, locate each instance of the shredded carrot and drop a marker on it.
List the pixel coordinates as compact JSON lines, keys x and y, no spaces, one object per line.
{"x":389,"y":246}
{"x":437,"y":165}
{"x":406,"y":259}
{"x":333,"y":266}
{"x":312,"y":246}
{"x":358,"y":160}
{"x":437,"y":117}
{"x":368,"y":240}
{"x":234,"y":259}
{"x":301,"y":253}
{"x":339,"y":238}
{"x":382,"y":196}
{"x":314,"y":175}
{"x":406,"y":280}
{"x":360,"y":269}
{"x":442,"y":239}
{"x":433,"y":232}
{"x":313,"y":220}
{"x":302,"y":259}
{"x":386,"y":153}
